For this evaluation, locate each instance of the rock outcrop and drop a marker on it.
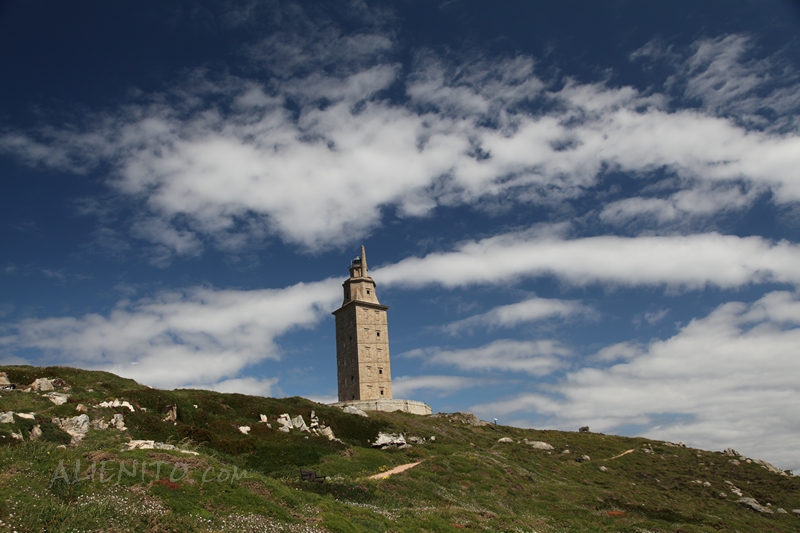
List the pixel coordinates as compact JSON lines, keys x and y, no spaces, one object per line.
{"x":354,"y":411}
{"x":754,"y":505}
{"x":76,"y":427}
{"x":539,"y":445}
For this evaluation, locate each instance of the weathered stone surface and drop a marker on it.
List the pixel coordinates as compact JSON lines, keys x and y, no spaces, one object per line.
{"x":58,"y":398}
{"x":584,"y":429}
{"x":286,"y":423}
{"x":731,"y":452}
{"x":354,"y":411}
{"x":264,"y":419}
{"x":465,"y":418}
{"x":76,"y":427}
{"x":389,"y":440}
{"x":505,"y":439}
{"x":117,"y":403}
{"x":603,"y":469}
{"x":149,"y":445}
{"x":4,"y":379}
{"x":796,"y":511}
{"x":81,"y":408}
{"x":41,"y":385}
{"x":245,"y":430}
{"x":754,"y":505}
{"x":99,"y":423}
{"x":118,"y":422}
{"x":539,"y":445}
{"x":36,"y":432}
{"x":7,"y":417}
{"x":27,"y":416}
{"x":172,"y":414}
{"x":299,"y":424}
{"x":769,"y":467}
{"x":780,"y":510}
{"x":17,"y":435}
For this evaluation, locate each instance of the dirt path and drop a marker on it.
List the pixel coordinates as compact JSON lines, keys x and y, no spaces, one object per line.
{"x":395,"y":470}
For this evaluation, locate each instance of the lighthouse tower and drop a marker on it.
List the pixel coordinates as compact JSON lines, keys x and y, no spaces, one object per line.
{"x":362,"y":339}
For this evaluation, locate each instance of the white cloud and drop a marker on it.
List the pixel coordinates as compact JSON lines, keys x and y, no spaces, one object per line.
{"x":539,"y":358}
{"x":725,"y":380}
{"x":197,"y":337}
{"x":320,"y":171}
{"x":689,"y":262}
{"x":530,"y":310}
{"x":407,"y":386}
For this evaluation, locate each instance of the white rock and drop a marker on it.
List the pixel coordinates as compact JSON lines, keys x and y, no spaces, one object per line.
{"x":586,"y":458}
{"x":17,"y":435}
{"x":172,"y":414}
{"x":264,"y":418}
{"x":118,"y":422}
{"x":505,"y":439}
{"x":354,"y":411}
{"x":796,"y":511}
{"x":42,"y":385}
{"x":7,"y":417}
{"x":286,"y":423}
{"x":244,"y":429}
{"x":539,"y":445}
{"x":386,"y":440}
{"x":299,"y":423}
{"x":781,"y":510}
{"x":29,"y":416}
{"x":770,"y":467}
{"x":283,"y":429}
{"x":99,"y":423}
{"x":57,"y":398}
{"x":81,"y":408}
{"x":753,"y":504}
{"x":4,"y":379}
{"x":36,"y":432}
{"x":603,"y":469}
{"x":76,"y":427}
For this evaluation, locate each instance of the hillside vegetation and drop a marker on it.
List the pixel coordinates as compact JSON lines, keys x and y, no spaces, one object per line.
{"x":214,"y":476}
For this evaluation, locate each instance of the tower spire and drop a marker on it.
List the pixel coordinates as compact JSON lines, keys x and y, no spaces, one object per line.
{"x":364,"y":271}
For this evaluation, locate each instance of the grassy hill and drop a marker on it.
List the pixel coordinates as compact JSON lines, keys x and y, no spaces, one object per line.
{"x":233,"y":481}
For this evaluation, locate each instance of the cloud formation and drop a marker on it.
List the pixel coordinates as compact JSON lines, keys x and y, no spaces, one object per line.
{"x":538,"y":358}
{"x":198,"y":337}
{"x":530,"y":310}
{"x":726,"y":378}
{"x":315,"y":155}
{"x":680,"y":262}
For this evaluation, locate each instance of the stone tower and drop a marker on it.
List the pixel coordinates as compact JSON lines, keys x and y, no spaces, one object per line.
{"x":362,"y":339}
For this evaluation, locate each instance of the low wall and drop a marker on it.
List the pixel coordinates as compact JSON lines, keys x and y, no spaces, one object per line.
{"x":407,"y":406}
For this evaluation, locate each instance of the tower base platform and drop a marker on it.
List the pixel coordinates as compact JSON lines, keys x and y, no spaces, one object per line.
{"x":408,"y":406}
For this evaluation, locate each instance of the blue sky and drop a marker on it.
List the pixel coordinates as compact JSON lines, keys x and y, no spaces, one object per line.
{"x":580,"y":213}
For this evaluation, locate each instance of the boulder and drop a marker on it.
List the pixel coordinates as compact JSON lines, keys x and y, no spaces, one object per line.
{"x":172,"y":414}
{"x":467,"y":418}
{"x":389,"y":440}
{"x":770,"y":467}
{"x":76,"y":427}
{"x":506,"y":439}
{"x":285,"y":422}
{"x":796,"y":511}
{"x":299,"y":423}
{"x":584,"y":429}
{"x":118,"y":422}
{"x":4,"y":379}
{"x":36,"y":432}
{"x":264,"y":419}
{"x":41,"y":385}
{"x":754,"y":505}
{"x":244,"y":430}
{"x":539,"y":445}
{"x":99,"y":423}
{"x":7,"y":417}
{"x":354,"y":411}
{"x":57,"y":398}
{"x":17,"y":435}
{"x":731,"y":452}
{"x":27,"y":416}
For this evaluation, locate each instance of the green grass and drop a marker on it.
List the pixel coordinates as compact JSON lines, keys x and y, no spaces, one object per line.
{"x":467,"y":480}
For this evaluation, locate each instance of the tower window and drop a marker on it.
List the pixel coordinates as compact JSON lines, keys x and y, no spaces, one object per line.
{"x":352,"y":378}
{"x":381,"y":392}
{"x":379,"y":334}
{"x":380,"y":371}
{"x":367,"y":291}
